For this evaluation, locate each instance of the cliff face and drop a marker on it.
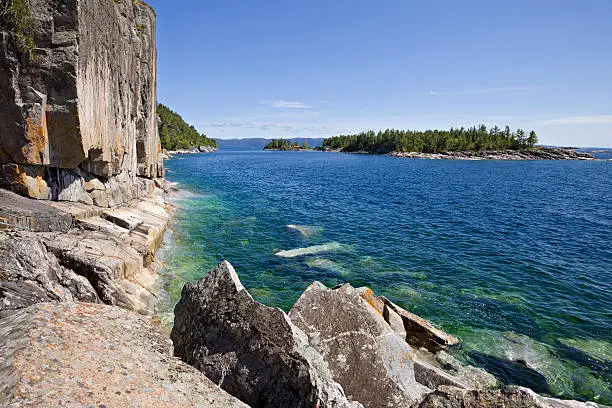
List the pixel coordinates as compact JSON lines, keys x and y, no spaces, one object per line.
{"x":79,"y":104}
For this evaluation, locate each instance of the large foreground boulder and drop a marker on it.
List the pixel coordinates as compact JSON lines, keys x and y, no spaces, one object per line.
{"x":372,"y":363}
{"x":77,"y":354}
{"x":509,"y":397}
{"x":252,"y":351}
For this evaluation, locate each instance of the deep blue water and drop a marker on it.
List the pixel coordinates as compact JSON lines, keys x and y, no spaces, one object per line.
{"x":514,"y":257}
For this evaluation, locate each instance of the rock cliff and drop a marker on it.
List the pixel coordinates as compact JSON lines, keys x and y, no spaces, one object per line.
{"x":77,"y":100}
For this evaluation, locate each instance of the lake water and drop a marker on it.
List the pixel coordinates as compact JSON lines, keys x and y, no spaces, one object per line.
{"x":513,"y":257}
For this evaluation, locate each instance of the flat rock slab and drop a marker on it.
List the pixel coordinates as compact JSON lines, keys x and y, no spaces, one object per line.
{"x":312,"y":250}
{"x":31,"y":215}
{"x":78,"y":211}
{"x":372,"y":363}
{"x":101,"y":224}
{"x":421,"y":332}
{"x":77,"y":354}
{"x":123,"y":217}
{"x":153,"y":208}
{"x":252,"y":351}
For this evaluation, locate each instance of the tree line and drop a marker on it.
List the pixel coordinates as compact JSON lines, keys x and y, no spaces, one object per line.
{"x":175,"y":133}
{"x":434,"y":141}
{"x":285,"y":144}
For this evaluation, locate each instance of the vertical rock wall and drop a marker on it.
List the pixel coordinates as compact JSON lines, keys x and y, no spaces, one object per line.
{"x":80,"y":104}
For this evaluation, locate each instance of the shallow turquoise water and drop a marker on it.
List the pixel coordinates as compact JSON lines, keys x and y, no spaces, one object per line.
{"x":513,"y":257}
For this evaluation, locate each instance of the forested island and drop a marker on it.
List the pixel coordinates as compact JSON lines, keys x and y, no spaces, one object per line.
{"x":473,"y":143}
{"x":434,"y":141}
{"x":286,"y":144}
{"x":176,"y":134}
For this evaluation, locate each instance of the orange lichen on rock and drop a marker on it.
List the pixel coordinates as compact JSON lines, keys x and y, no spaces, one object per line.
{"x":371,"y":299}
{"x":36,"y":151}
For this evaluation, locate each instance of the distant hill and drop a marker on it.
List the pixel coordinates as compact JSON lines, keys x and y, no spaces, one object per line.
{"x":175,"y":133}
{"x":603,"y":153}
{"x":259,"y":143}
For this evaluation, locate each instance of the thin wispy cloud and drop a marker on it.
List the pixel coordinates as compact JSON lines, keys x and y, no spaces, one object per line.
{"x":286,"y":104}
{"x":480,"y":91}
{"x":578,"y":120}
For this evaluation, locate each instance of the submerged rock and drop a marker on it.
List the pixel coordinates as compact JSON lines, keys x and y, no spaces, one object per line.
{"x":441,"y":368}
{"x":509,"y":397}
{"x":315,"y":249}
{"x":252,"y":351}
{"x":371,"y":362}
{"x":327,"y":265}
{"x":304,"y":230}
{"x":77,"y":354}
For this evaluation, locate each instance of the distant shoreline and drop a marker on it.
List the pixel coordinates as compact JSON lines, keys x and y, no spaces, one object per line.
{"x":527,"y":154}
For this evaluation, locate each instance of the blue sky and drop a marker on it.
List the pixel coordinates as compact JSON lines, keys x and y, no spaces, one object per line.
{"x":317,"y":68}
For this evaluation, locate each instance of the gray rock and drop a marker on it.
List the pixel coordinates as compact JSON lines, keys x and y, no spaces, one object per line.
{"x":124,"y":218}
{"x":100,"y":224}
{"x":509,"y":397}
{"x":29,"y":274}
{"x":114,"y":269}
{"x":525,"y":154}
{"x":434,"y":377}
{"x":252,"y":351}
{"x":420,"y":332}
{"x":93,"y":184}
{"x":372,"y":363}
{"x":473,"y":377}
{"x":17,"y":212}
{"x":77,"y":354}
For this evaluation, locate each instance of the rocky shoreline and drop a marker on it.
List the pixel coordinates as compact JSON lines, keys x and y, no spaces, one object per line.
{"x":531,"y":154}
{"x":166,"y":154}
{"x":339,"y":347}
{"x":69,"y":251}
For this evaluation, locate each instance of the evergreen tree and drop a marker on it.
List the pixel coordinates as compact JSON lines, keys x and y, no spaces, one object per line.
{"x":434,"y":141}
{"x":175,"y":133}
